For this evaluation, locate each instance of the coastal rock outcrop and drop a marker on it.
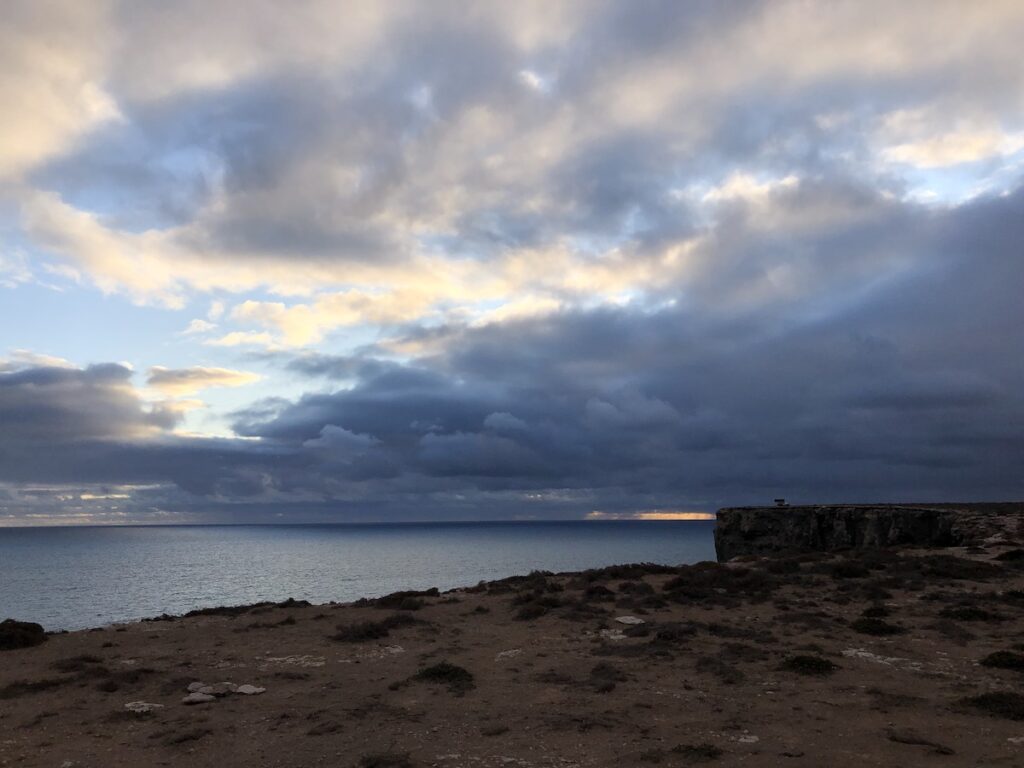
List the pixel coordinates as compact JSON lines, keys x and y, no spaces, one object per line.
{"x":20,"y":634}
{"x":782,"y":529}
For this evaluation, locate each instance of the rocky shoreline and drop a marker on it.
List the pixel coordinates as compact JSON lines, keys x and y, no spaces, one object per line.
{"x":864,"y":657}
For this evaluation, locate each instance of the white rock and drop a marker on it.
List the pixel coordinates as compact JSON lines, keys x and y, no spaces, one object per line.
{"x":217,"y":689}
{"x":630,"y":620}
{"x":249,"y":690}
{"x":511,"y":654}
{"x":193,"y":687}
{"x":142,"y":707}
{"x":197,"y":698}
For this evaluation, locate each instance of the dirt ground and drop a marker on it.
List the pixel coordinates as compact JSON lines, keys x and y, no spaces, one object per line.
{"x":879,"y":659}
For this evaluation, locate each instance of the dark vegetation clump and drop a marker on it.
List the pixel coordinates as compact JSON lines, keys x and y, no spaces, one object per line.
{"x":363,"y":631}
{"x":951,"y":630}
{"x":598,"y":592}
{"x":535,"y":581}
{"x":628,"y":571}
{"x":386,"y":760}
{"x":76,"y":663}
{"x":785,"y":566}
{"x":23,"y":687}
{"x":697,"y":753}
{"x":1011,"y":556}
{"x":535,"y":595}
{"x":458,"y":679}
{"x":20,"y":634}
{"x":406,"y":600}
{"x":876,"y":611}
{"x":970,"y":613}
{"x":604,"y":677}
{"x":1005,"y":704}
{"x":809,"y":665}
{"x":952,"y":567}
{"x":636,"y":588}
{"x":849,"y":569}
{"x":867,"y":625}
{"x":530,"y":612}
{"x":725,"y":670}
{"x":231,"y":611}
{"x":1004,"y":660}
{"x":583,"y":611}
{"x":184,"y":737}
{"x":715,"y":583}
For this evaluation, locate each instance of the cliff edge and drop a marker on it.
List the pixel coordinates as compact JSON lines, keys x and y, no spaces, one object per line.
{"x":782,"y":529}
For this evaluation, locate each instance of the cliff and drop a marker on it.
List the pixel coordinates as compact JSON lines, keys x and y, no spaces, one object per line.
{"x":776,"y":530}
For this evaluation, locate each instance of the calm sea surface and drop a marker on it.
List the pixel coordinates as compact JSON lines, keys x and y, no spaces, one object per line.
{"x":70,"y":578}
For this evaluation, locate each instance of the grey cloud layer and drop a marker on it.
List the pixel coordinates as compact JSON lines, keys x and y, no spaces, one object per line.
{"x":912,"y":392}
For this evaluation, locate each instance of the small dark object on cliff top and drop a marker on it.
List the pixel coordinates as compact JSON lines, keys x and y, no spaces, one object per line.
{"x":1004,"y":660}
{"x":809,"y":665}
{"x":458,"y":679}
{"x":20,"y":634}
{"x":877,"y":627}
{"x":1007,"y":704}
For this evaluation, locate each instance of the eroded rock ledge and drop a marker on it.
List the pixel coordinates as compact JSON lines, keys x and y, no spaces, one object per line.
{"x":776,"y":530}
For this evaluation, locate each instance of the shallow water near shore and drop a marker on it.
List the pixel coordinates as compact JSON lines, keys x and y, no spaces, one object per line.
{"x":72,"y":578}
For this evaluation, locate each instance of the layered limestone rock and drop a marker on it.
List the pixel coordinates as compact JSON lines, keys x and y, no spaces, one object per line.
{"x":776,"y":530}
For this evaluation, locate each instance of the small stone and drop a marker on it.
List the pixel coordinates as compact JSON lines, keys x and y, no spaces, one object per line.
{"x":198,"y":698}
{"x":218,"y":689}
{"x":630,"y":620}
{"x":142,"y":707}
{"x":193,"y":687}
{"x":249,"y":690}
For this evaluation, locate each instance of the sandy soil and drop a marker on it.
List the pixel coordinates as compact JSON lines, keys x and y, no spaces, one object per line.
{"x":538,"y":671}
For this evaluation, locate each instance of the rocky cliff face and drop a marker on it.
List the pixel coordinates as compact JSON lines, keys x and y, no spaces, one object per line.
{"x":775,"y":530}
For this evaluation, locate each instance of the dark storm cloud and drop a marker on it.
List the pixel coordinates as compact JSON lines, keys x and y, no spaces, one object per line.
{"x":908,"y":392}
{"x":44,"y":405}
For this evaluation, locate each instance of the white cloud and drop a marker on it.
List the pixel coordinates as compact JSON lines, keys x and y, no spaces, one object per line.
{"x":178,"y":382}
{"x":197,"y":326}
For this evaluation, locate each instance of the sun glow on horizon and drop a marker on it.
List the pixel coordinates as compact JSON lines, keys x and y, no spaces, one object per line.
{"x":651,"y":514}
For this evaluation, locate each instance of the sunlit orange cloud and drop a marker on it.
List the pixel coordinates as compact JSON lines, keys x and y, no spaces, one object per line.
{"x":651,"y":514}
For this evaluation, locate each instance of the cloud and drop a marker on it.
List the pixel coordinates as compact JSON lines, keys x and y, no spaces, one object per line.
{"x":52,"y":68}
{"x":540,"y":258}
{"x":177,"y":382}
{"x":198,"y":326}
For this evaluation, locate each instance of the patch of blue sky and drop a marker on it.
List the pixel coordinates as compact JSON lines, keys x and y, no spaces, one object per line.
{"x":955,"y":184}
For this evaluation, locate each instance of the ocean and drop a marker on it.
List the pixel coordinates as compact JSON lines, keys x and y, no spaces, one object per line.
{"x":73,"y":578}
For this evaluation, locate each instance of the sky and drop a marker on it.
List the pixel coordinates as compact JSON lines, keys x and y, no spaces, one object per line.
{"x":350,"y":262}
